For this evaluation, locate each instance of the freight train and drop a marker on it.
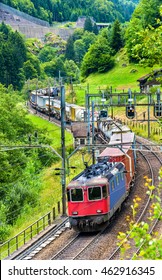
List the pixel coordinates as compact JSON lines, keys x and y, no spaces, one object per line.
{"x":45,"y":103}
{"x":97,"y":193}
{"x":41,"y":99}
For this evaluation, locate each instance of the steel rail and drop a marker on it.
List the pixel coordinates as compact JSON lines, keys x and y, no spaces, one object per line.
{"x":145,"y":208}
{"x":26,"y":252}
{"x":84,"y":246}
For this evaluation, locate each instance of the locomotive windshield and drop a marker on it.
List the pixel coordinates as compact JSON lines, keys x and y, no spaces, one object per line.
{"x":94,"y":193}
{"x":77,"y":194}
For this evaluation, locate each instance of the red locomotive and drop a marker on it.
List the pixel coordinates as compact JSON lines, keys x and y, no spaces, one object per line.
{"x":97,"y":193}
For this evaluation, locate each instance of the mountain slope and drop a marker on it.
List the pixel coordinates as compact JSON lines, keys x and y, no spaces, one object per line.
{"x":69,"y":10}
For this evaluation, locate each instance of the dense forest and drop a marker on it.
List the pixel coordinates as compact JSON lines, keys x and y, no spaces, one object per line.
{"x":86,"y":51}
{"x":69,"y":10}
{"x":20,"y":168}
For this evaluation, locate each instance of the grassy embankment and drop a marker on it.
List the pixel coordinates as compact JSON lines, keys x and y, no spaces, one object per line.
{"x":51,"y":190}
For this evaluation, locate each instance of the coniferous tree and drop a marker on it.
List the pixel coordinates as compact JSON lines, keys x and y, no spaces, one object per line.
{"x":95,"y":29}
{"x":13,"y":55}
{"x":88,"y":26}
{"x":116,"y":39}
{"x":69,"y":52}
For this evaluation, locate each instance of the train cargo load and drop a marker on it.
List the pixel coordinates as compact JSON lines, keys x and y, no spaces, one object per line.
{"x":123,"y":153}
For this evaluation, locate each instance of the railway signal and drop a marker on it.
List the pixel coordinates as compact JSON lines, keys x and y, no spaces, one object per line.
{"x":158,"y":110}
{"x":158,"y":105}
{"x":103,"y":114}
{"x":130,"y":111}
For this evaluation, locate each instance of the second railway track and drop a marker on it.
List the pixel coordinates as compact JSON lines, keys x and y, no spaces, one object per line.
{"x":95,"y":245}
{"x":154,"y":162}
{"x":75,"y":249}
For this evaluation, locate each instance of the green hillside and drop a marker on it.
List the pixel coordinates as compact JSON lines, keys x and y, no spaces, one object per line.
{"x":122,"y":77}
{"x":69,"y":10}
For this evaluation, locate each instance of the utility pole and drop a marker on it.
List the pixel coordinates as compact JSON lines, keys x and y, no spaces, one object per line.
{"x":36,"y":98}
{"x":49,"y":100}
{"x":63,"y":150}
{"x":148,"y":112}
{"x":93,"y":131}
{"x":59,"y":76}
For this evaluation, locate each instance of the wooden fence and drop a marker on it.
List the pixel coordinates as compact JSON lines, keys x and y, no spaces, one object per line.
{"x":143,"y":127}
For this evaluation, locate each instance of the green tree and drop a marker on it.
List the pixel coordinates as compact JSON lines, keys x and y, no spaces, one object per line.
{"x":5,"y":29}
{"x":149,"y":50}
{"x":47,"y":54}
{"x":132,"y":36}
{"x":18,"y":167}
{"x":77,"y":34}
{"x":116,"y":41}
{"x":88,"y":39}
{"x":82,"y":45}
{"x":144,"y":19}
{"x":71,"y":69}
{"x":98,"y":58}
{"x":69,"y":52}
{"x":88,"y":26}
{"x":80,"y":50}
{"x":13,"y":54}
{"x":29,"y":70}
{"x":53,"y":67}
{"x":95,"y":29}
{"x":35,"y":63}
{"x":144,"y":45}
{"x":147,"y":12}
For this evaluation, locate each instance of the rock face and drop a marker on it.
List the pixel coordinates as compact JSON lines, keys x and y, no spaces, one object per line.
{"x":29,"y":26}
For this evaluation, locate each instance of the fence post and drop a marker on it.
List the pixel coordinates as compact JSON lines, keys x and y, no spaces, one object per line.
{"x":37,"y":226}
{"x":44,"y":223}
{"x":24,"y":236}
{"x":8,"y":248}
{"x":49,"y":218}
{"x":54,"y":213}
{"x":17,"y":241}
{"x":31,"y":232}
{"x":58,"y":207}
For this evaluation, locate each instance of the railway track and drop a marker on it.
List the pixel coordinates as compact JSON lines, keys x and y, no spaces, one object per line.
{"x":78,"y":247}
{"x":83,"y":246}
{"x":154,"y":163}
{"x":48,"y":118}
{"x":80,"y":243}
{"x":38,"y":245}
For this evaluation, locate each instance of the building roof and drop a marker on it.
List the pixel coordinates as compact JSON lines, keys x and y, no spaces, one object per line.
{"x":152,"y":75}
{"x":79,"y":130}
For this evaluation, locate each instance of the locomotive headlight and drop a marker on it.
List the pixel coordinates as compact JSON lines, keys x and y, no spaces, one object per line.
{"x":75,"y":213}
{"x":99,"y":211}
